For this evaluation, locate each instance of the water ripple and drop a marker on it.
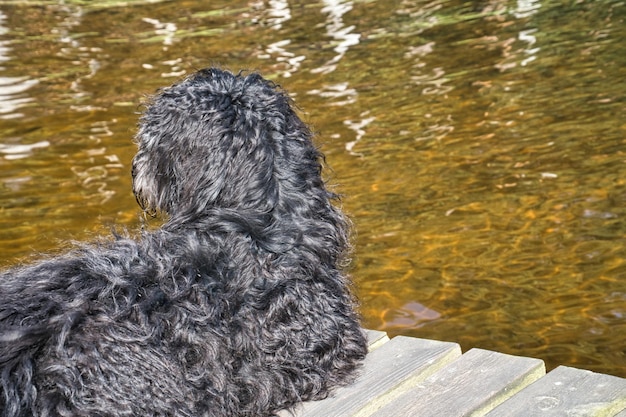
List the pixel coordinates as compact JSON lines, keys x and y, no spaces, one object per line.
{"x":19,"y":151}
{"x":12,"y":89}
{"x":343,"y":36}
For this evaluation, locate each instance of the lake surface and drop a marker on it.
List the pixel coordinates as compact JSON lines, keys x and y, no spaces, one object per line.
{"x":480,"y":147}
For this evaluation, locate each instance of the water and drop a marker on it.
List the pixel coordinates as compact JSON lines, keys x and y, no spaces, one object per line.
{"x":479,"y":146}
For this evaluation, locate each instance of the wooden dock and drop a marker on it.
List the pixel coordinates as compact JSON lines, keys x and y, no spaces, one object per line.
{"x":406,"y":376}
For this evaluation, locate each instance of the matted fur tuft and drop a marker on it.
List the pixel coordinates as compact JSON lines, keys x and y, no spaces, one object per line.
{"x":236,"y":306}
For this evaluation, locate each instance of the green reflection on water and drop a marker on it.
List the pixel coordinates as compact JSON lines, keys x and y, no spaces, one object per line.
{"x":479,"y":147}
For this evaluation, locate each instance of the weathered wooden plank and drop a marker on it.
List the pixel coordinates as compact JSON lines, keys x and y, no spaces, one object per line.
{"x":470,"y":386}
{"x":388,"y":371}
{"x":567,"y":392}
{"x":376,"y":338}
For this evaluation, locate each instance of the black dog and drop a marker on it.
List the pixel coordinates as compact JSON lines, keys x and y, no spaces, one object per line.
{"x":237,"y":306}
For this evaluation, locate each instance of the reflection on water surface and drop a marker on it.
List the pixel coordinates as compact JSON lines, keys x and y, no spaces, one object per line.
{"x":480,"y":146}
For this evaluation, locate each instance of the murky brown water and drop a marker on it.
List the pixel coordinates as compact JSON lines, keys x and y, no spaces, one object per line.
{"x":480,"y":146}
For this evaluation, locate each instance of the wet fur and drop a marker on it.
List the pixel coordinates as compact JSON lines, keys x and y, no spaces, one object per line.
{"x":236,"y":306}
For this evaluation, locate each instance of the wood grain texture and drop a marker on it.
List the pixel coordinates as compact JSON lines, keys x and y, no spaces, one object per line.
{"x":568,"y":392}
{"x":470,"y":386}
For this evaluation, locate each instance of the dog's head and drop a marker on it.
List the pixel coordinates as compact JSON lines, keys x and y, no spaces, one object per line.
{"x":229,"y":151}
{"x":217,"y":139}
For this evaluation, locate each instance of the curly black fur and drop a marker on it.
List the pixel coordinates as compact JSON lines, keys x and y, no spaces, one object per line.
{"x":237,"y":306}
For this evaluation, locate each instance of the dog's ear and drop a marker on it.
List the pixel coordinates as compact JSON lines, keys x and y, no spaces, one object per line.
{"x":144,"y":187}
{"x":154,"y":175}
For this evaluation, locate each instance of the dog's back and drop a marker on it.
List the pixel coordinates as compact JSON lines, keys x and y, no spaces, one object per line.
{"x":237,"y":306}
{"x":78,"y":336}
